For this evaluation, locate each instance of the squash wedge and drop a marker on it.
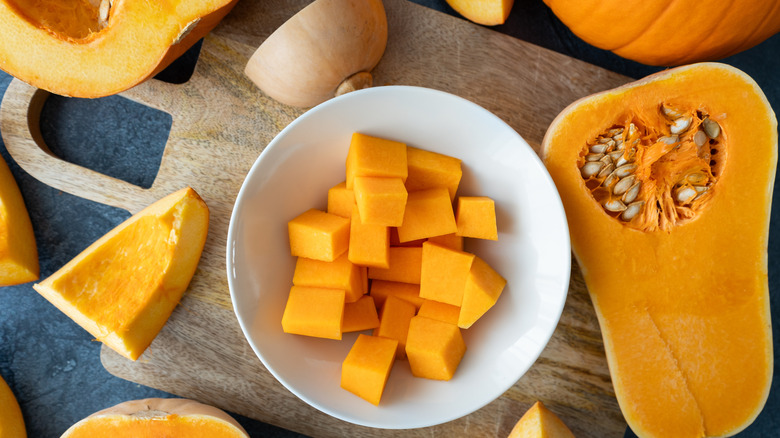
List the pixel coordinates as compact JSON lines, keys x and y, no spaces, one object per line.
{"x":123,"y":288}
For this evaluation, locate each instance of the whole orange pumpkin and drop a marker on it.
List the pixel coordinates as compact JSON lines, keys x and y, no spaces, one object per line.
{"x":668,"y":33}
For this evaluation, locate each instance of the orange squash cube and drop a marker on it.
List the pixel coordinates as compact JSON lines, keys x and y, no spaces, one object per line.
{"x":434,"y":348}
{"x":374,"y":156}
{"x":340,"y":200}
{"x":394,"y":322}
{"x":476,"y":217}
{"x":381,"y":289}
{"x":381,"y":201}
{"x":367,"y":367}
{"x":394,"y":241}
{"x":483,"y":287}
{"x":369,"y":244}
{"x":360,"y":315}
{"x":449,"y":240}
{"x":443,"y":273}
{"x":338,"y":274}
{"x":318,"y":235}
{"x":439,"y":311}
{"x":428,"y":213}
{"x":314,"y":311}
{"x":428,"y":170}
{"x":404,"y":266}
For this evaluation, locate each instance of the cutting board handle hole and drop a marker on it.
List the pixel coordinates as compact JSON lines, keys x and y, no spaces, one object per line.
{"x":110,"y":135}
{"x":181,"y":70}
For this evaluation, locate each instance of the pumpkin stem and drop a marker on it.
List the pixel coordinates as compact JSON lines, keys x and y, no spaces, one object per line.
{"x":357,"y":81}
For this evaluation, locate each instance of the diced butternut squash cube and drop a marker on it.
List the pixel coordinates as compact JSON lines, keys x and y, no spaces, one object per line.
{"x":429,"y":170}
{"x":318,"y":235}
{"x":449,"y":240}
{"x":476,"y":217}
{"x":394,"y":322}
{"x":360,"y":315}
{"x":434,"y":348}
{"x":483,"y":287}
{"x":428,"y":213}
{"x":405,"y":263}
{"x":439,"y":311}
{"x":340,"y":200}
{"x":395,"y":241}
{"x":338,"y":274}
{"x":381,"y":201}
{"x":314,"y":311}
{"x":367,"y":367}
{"x":374,"y":156}
{"x":369,"y":244}
{"x":443,"y":273}
{"x":381,"y":289}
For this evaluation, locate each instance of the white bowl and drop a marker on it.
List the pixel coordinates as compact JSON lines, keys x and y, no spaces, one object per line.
{"x":294,"y":173}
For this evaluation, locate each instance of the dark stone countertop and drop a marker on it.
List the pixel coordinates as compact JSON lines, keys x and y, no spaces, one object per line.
{"x":53,"y":365}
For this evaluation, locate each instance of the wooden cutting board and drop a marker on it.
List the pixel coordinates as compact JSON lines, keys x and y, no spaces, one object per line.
{"x":221,"y":123}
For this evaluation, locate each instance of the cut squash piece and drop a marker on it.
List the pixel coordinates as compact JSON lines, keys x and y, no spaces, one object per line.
{"x":98,"y":48}
{"x":486,"y":12}
{"x":18,"y":253}
{"x":540,"y":422}
{"x":123,"y":288}
{"x":158,"y":417}
{"x":11,"y":420}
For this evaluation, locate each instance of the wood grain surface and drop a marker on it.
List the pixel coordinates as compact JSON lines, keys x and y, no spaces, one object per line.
{"x":221,"y":123}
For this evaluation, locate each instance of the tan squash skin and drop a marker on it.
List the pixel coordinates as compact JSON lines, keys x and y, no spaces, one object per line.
{"x":684,"y":313}
{"x":155,"y":417}
{"x":141,"y":39}
{"x":306,"y":60}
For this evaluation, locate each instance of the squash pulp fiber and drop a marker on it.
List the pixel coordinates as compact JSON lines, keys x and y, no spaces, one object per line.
{"x":94,"y":48}
{"x":680,"y":286}
{"x":123,"y":287}
{"x":158,"y":417}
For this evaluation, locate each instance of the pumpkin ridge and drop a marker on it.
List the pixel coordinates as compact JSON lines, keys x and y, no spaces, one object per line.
{"x":764,"y":18}
{"x":666,"y":9}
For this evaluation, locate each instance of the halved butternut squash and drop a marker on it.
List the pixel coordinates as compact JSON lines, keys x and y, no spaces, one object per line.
{"x":670,"y":228}
{"x":94,"y":48}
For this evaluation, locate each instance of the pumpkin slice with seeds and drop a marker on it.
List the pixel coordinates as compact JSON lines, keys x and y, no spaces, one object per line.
{"x":123,"y":288}
{"x":667,"y":186}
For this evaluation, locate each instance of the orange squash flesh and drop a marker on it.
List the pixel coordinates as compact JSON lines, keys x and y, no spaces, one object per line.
{"x":124,"y":286}
{"x":158,"y":417}
{"x":62,"y":47}
{"x":683,"y":306}
{"x":11,"y":420}
{"x":18,"y":252}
